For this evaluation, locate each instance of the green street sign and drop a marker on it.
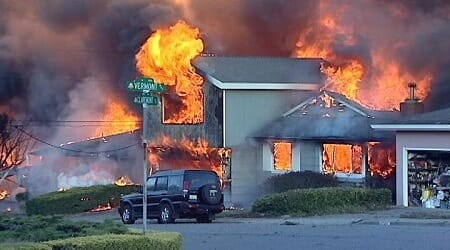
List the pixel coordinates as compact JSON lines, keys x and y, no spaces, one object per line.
{"x":146,"y":99}
{"x":145,"y":84}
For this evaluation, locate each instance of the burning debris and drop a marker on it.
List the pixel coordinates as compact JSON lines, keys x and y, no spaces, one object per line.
{"x":4,"y":194}
{"x":101,"y":208}
{"x":124,"y":181}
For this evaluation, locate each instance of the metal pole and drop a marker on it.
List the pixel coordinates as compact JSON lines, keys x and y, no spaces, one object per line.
{"x":144,"y":185}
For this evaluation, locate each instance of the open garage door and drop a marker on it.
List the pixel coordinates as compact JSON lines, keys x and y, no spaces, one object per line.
{"x":429,"y":178}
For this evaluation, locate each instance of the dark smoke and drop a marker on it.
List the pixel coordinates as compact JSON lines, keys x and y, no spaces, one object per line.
{"x":49,"y":48}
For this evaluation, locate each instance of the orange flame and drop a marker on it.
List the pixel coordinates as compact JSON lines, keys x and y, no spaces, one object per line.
{"x":117,"y":120}
{"x":123,"y":181}
{"x":282,"y":153}
{"x":3,"y":194}
{"x":382,"y":86}
{"x":166,"y":57}
{"x":167,"y":153}
{"x":101,"y":208}
{"x":382,"y":159}
{"x":342,"y":158}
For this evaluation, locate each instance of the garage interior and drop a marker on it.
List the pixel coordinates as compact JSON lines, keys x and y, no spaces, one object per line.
{"x":429,"y":178}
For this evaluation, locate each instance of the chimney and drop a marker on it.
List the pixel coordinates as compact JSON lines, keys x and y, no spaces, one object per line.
{"x":411,"y":105}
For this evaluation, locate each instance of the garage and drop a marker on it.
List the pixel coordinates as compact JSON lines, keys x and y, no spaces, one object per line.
{"x":423,"y":159}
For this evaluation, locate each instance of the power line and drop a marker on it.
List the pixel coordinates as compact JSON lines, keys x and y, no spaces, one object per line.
{"x":73,"y":150}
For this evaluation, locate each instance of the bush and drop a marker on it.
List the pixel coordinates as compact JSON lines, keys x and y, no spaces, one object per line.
{"x":295,"y":180}
{"x":44,"y":228}
{"x":323,"y":201}
{"x":77,"y":200}
{"x":163,"y":241}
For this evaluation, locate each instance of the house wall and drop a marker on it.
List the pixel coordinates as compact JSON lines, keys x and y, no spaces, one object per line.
{"x":247,"y":111}
{"x":414,"y":140}
{"x":210,"y":129}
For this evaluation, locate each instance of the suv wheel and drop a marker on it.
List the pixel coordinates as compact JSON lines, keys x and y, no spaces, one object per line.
{"x":165,"y":214}
{"x":127,"y":215}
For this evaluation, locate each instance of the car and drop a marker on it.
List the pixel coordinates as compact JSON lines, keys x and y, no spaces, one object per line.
{"x":173,"y":194}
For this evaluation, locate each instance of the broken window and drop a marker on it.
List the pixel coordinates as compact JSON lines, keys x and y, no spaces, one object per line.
{"x":342,"y":159}
{"x":282,"y":155}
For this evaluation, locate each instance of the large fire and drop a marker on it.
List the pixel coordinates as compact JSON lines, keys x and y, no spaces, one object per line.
{"x":117,"y":119}
{"x":167,"y":153}
{"x":166,"y":57}
{"x":378,"y":83}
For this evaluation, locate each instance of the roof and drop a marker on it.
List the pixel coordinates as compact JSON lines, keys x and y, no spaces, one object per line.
{"x":261,"y":72}
{"x":102,"y":145}
{"x":329,"y":116}
{"x":437,"y":120}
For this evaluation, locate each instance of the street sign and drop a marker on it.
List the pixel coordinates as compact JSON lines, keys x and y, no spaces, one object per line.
{"x":146,"y":99}
{"x":145,"y":84}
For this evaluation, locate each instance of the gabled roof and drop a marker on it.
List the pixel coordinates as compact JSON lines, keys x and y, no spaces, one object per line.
{"x":329,"y":116}
{"x":438,"y":120}
{"x":261,"y":72}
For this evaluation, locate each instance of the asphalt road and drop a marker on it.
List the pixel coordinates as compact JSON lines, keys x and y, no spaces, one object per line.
{"x":277,"y":234}
{"x":379,"y":230}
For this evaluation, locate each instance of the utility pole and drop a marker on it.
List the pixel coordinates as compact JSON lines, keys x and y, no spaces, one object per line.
{"x":145,"y":166}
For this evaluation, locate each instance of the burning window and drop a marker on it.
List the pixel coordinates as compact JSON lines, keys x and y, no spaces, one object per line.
{"x":183,"y":109}
{"x":342,"y":158}
{"x":381,"y":159}
{"x":282,"y":155}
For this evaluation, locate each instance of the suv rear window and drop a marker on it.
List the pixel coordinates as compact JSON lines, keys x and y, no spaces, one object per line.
{"x":200,"y":178}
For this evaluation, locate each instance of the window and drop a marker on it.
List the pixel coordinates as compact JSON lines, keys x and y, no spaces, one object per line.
{"x":343,"y":159}
{"x":175,"y":183}
{"x":282,"y":156}
{"x":151,"y":184}
{"x":161,"y":184}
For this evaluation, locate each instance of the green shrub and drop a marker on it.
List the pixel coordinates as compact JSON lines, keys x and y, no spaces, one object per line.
{"x":25,"y":246}
{"x":323,"y":201}
{"x":162,"y":241}
{"x":44,"y":228}
{"x":77,"y":200}
{"x":294,"y":180}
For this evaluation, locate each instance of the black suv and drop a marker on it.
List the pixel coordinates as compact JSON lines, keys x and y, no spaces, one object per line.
{"x":176,"y":194}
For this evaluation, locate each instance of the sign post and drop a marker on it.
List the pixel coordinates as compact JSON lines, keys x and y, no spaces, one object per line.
{"x":145,"y":86}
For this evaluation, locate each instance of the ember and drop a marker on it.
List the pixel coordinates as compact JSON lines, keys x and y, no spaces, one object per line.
{"x":101,"y":208}
{"x":4,"y":194}
{"x":166,"y":57}
{"x":124,"y":181}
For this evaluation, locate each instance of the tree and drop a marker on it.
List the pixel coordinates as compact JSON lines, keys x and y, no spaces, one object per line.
{"x":14,"y":143}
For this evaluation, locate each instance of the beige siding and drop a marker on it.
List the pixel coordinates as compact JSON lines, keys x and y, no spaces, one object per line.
{"x":415,"y":140}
